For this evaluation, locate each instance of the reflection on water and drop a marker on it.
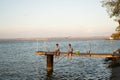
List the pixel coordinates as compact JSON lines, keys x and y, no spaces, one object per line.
{"x":18,"y":60}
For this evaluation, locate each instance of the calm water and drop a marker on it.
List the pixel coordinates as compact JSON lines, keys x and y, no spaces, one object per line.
{"x":18,"y":60}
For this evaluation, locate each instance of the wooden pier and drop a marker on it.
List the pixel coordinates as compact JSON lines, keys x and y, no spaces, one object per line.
{"x":50,"y":57}
{"x":102,"y":55}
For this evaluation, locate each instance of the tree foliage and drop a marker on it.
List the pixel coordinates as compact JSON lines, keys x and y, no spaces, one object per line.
{"x":113,"y":7}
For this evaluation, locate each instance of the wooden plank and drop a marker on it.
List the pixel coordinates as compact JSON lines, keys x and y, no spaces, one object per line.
{"x":103,"y":55}
{"x":44,"y":53}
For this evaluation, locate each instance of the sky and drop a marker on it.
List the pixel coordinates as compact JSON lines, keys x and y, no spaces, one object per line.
{"x":54,"y":18}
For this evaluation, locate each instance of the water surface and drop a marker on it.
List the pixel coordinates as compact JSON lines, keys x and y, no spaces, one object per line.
{"x":18,"y":60}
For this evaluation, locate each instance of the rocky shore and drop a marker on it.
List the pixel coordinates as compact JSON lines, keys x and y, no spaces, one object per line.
{"x":115,"y":36}
{"x":115,"y":73}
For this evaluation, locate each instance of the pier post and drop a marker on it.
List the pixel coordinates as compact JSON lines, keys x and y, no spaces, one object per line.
{"x":49,"y":65}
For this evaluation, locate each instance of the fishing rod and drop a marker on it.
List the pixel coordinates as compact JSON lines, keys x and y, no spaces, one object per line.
{"x":37,"y":46}
{"x":63,"y":56}
{"x":112,"y":45}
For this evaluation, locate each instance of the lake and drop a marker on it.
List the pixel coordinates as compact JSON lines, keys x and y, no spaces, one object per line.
{"x":18,"y":60}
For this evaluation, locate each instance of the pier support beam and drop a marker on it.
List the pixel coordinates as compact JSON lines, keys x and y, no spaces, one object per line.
{"x":49,"y":65}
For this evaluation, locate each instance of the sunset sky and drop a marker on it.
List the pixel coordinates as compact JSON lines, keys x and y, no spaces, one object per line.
{"x":54,"y":18}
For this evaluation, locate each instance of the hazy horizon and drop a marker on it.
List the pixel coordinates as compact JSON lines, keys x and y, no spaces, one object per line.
{"x":53,"y":18}
{"x":67,"y":37}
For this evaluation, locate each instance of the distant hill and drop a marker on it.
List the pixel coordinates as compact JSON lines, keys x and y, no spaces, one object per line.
{"x":58,"y":38}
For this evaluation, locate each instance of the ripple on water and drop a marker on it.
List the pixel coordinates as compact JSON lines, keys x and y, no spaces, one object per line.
{"x":82,"y":68}
{"x":18,"y":61}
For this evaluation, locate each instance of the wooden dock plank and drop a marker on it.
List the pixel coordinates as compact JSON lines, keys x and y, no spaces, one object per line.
{"x":102,"y":55}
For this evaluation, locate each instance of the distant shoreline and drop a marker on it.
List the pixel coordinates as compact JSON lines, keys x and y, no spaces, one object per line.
{"x":58,"y":38}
